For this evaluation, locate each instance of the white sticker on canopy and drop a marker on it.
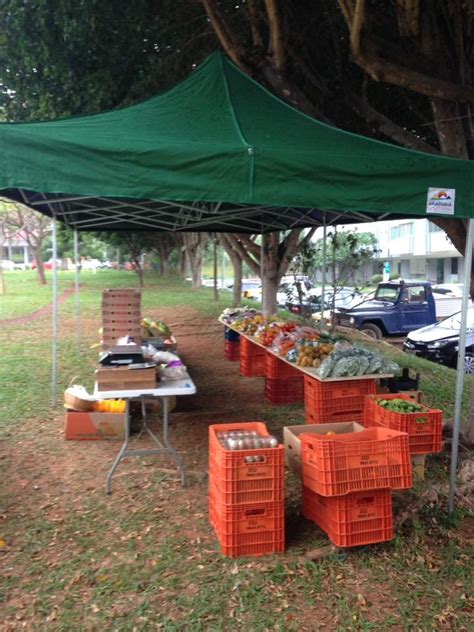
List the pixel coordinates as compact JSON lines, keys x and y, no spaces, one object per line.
{"x":440,"y":201}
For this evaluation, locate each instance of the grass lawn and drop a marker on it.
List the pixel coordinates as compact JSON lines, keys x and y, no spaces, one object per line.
{"x":145,"y":557}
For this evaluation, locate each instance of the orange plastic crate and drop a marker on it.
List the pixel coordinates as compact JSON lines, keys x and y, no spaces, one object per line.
{"x":328,"y":402}
{"x":352,"y":520}
{"x":252,"y":359}
{"x":376,"y":458}
{"x":277,"y":369}
{"x":288,"y":390}
{"x":424,"y":428}
{"x":251,"y":490}
{"x":252,"y":530}
{"x":232,"y":350}
{"x":237,"y":477}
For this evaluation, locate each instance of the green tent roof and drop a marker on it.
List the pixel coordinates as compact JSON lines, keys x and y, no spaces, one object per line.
{"x":218,"y":152}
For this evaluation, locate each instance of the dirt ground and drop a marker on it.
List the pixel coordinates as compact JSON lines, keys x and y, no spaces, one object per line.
{"x":54,"y":478}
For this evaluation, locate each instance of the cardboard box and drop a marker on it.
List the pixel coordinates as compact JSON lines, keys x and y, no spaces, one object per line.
{"x":293,"y":444}
{"x":94,"y":426}
{"x":123,"y":378}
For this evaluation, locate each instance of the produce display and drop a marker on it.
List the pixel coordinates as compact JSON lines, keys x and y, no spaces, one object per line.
{"x":398,"y":405}
{"x":110,"y":406}
{"x":329,"y":355}
{"x":154,"y":328}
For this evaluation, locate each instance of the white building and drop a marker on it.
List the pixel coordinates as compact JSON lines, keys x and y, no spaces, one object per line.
{"x":415,"y":249}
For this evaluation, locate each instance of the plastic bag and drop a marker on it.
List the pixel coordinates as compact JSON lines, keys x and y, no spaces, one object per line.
{"x":326,"y":367}
{"x":389,"y":366}
{"x":363,"y":364}
{"x":175,"y":370}
{"x":375,"y":364}
{"x":345,"y":366}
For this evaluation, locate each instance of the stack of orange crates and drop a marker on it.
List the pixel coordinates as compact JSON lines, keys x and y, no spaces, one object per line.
{"x":283,"y":383}
{"x":332,"y":401}
{"x":252,"y":358}
{"x":246,"y":494}
{"x":347,"y":483}
{"x":424,"y":428}
{"x":121,"y":316}
{"x":231,"y":345}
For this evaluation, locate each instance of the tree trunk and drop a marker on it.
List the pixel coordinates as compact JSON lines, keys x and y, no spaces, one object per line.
{"x":2,"y":278}
{"x":195,"y":245}
{"x":137,"y":266}
{"x":236,"y":260}
{"x":166,"y":266}
{"x":216,"y":291}
{"x":164,"y":254}
{"x":270,"y":287}
{"x":39,"y":266}
{"x":195,"y":263}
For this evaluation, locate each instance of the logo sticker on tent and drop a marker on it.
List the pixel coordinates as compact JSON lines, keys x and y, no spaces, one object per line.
{"x":440,"y":201}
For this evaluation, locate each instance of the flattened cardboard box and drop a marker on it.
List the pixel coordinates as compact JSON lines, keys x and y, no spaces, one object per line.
{"x":293,"y":444}
{"x":125,"y":378}
{"x":94,"y":426}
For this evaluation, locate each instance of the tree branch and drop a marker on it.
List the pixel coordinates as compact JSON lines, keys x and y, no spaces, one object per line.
{"x":356,"y":28}
{"x":228,"y":43}
{"x":276,"y":44}
{"x":250,"y":244}
{"x":244,"y":254}
{"x":382,"y":124}
{"x":253,"y":20}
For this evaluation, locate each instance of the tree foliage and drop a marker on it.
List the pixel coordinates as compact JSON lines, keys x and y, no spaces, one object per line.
{"x":399,"y":70}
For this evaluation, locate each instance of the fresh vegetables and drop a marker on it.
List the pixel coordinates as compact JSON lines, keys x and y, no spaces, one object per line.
{"x":307,"y":347}
{"x":110,"y":406}
{"x":399,"y":405}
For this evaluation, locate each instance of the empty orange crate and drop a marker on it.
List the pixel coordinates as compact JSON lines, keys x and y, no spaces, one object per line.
{"x":327,"y":402}
{"x":424,"y":428}
{"x":231,"y":350}
{"x":251,"y":530}
{"x":376,"y":458}
{"x":351,"y":520}
{"x":284,"y":390}
{"x":252,"y":359}
{"x":277,"y":369}
{"x":235,"y":475}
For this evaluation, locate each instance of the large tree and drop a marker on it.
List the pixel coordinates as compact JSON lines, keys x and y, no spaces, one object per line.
{"x":269,"y":256}
{"x":18,"y":219}
{"x":399,"y":70}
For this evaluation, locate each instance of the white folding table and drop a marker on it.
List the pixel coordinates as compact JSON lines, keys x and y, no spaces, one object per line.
{"x":164,"y":390}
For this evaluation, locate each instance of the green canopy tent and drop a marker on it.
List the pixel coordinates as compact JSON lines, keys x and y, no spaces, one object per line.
{"x":219,"y":153}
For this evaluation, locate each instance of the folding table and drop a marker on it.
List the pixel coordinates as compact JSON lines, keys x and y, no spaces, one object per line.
{"x":163,"y":390}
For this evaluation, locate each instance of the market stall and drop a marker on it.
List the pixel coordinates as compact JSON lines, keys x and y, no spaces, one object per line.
{"x":220,"y":153}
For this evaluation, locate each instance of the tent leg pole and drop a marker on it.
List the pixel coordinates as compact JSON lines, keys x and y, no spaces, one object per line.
{"x":78,"y":297}
{"x":262,"y":261}
{"x":460,"y":365}
{"x":54,"y":376}
{"x":323,"y":278}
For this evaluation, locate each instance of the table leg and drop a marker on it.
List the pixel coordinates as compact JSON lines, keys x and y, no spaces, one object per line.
{"x":172,"y":452}
{"x":123,"y":449}
{"x":164,"y":448}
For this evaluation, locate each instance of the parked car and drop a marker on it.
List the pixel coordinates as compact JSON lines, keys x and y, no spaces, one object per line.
{"x":440,"y":342}
{"x":397,"y":308}
{"x":289,"y":291}
{"x":343,"y":298}
{"x":47,"y":265}
{"x":454,"y":289}
{"x":91,"y":264}
{"x":7,"y":265}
